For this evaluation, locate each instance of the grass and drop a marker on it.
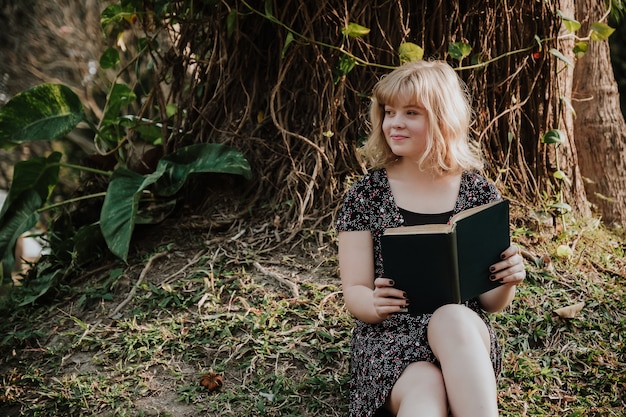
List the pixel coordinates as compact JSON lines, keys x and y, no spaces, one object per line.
{"x":283,"y":353}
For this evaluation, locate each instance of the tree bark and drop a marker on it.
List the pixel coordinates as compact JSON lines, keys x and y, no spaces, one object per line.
{"x":599,"y":125}
{"x":565,"y":156}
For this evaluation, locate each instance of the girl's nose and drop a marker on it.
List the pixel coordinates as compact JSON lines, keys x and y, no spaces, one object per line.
{"x":397,"y":121}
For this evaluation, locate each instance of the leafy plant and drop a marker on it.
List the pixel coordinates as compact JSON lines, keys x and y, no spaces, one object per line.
{"x":50,"y":111}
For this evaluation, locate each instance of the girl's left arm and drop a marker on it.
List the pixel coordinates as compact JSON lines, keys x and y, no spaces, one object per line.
{"x":511,"y":272}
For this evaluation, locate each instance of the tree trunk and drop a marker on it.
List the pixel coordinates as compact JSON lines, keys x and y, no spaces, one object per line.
{"x":565,"y":157}
{"x":599,"y":124}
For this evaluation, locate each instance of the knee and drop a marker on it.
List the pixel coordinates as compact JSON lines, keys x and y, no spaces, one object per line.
{"x":457,"y":325}
{"x":452,"y":316}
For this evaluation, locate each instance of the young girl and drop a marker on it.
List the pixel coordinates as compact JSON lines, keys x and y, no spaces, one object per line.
{"x":424,"y":170}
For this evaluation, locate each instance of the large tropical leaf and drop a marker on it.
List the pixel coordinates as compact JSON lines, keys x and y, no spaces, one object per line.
{"x":110,"y":130}
{"x":47,"y":276}
{"x":18,"y":218}
{"x":119,"y":213}
{"x":33,"y":181}
{"x":199,"y":158}
{"x":44,"y":112}
{"x":38,"y":174}
{"x":119,"y":210}
{"x":119,"y":96}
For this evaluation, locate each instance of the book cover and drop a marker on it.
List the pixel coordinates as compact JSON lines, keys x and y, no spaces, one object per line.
{"x":441,"y":264}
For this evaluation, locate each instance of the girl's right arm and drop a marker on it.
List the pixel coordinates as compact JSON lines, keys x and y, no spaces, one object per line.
{"x":368,"y":300}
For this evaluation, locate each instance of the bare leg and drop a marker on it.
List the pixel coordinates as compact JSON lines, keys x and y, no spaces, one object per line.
{"x":460,"y":341}
{"x":419,"y":391}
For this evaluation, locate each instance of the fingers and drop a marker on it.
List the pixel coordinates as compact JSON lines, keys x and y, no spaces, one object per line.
{"x":383,"y":282}
{"x":511,"y":269}
{"x":387,"y":299}
{"x":510,"y":251}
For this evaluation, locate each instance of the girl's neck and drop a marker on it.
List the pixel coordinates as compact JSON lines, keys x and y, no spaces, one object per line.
{"x":411,"y":169}
{"x":423,"y":191}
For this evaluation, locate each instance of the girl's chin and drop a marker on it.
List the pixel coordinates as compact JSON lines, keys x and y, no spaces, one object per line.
{"x":403,"y":153}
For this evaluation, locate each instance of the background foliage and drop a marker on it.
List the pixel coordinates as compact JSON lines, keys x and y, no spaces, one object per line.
{"x":266,"y":86}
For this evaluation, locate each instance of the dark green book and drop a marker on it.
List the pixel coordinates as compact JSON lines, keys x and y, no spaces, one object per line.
{"x":437,"y":264}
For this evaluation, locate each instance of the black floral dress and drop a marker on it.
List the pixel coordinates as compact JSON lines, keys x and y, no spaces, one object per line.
{"x":380,"y":352}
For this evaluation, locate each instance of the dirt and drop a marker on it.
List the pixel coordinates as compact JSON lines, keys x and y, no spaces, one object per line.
{"x":175,"y":246}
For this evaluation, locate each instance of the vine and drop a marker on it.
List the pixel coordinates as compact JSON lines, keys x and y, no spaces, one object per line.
{"x":599,"y":32}
{"x":320,"y":149}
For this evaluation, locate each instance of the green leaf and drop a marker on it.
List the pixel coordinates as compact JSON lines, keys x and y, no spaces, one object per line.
{"x":560,"y":56}
{"x":580,"y":49}
{"x":110,"y":58}
{"x":198,"y":158}
{"x":38,"y":174}
{"x":571,"y":25}
{"x":288,"y":41}
{"x":115,"y":13}
{"x":171,"y":109}
{"x":554,"y":136}
{"x":231,"y":22}
{"x":600,"y":31}
{"x":119,"y":96}
{"x":477,"y":59}
{"x":355,"y":30}
{"x":44,"y":112}
{"x":45,"y":279}
{"x":149,"y":130}
{"x":459,"y":50}
{"x":268,"y":8}
{"x":119,"y":213}
{"x":561,"y":207}
{"x":119,"y":209}
{"x":33,"y":182}
{"x":561,"y":176}
{"x":17,"y":219}
{"x":409,"y":52}
{"x":110,"y":133}
{"x":346,"y":64}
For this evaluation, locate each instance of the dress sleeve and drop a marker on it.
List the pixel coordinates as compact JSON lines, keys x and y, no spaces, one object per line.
{"x":353,"y":214}
{"x":475,"y":191}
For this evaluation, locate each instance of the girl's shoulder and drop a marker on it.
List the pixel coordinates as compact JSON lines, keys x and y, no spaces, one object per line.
{"x":475,"y":179}
{"x":367,"y":204}
{"x":477,"y":189}
{"x":371,"y":181}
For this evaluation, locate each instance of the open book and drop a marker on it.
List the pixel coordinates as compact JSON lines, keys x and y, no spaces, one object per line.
{"x":437,"y":264}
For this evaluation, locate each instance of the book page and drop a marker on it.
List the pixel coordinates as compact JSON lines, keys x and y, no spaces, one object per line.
{"x":420,"y":229}
{"x":469,"y":212}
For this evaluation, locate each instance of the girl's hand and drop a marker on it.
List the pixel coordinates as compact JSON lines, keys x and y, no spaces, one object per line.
{"x":387,"y":299}
{"x":511,"y":269}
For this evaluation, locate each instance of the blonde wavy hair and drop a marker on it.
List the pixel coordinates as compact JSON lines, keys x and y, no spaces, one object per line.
{"x":437,"y":87}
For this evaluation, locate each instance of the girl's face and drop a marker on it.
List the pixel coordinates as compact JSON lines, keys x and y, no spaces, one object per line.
{"x":405,"y":126}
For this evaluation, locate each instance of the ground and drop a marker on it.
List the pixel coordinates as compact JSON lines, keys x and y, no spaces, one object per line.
{"x":243,"y":304}
{"x":137,"y":339}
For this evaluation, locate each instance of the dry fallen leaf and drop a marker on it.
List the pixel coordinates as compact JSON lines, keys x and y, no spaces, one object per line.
{"x":212,"y":381}
{"x":570,"y":312}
